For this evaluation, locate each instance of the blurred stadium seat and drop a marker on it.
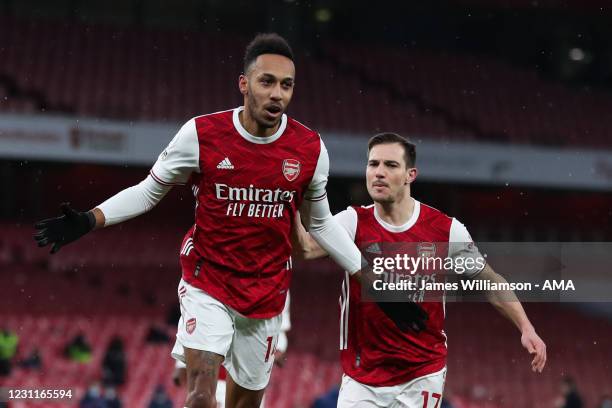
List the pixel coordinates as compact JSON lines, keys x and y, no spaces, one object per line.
{"x":122,"y":280}
{"x":131,"y":73}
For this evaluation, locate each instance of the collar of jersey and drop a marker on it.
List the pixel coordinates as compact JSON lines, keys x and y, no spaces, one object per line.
{"x":256,"y":139}
{"x":404,"y":227}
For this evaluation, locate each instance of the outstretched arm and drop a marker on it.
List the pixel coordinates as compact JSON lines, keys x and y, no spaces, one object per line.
{"x":461,"y":245}
{"x":72,"y":225}
{"x":508,"y":305}
{"x":130,"y":203}
{"x":173,"y":167}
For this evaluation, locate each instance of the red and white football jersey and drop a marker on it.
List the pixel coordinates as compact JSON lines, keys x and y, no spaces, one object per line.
{"x":373,"y":350}
{"x":247,"y":191}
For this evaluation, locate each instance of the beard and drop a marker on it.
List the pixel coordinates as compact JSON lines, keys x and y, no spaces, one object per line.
{"x":386,"y":199}
{"x":257,"y":113}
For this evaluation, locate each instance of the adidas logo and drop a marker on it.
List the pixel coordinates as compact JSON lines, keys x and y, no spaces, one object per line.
{"x":225,"y":164}
{"x":374,"y":249}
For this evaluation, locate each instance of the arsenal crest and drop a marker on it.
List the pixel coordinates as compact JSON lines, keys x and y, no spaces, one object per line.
{"x":291,"y":169}
{"x":426,"y":249}
{"x":190,"y":325}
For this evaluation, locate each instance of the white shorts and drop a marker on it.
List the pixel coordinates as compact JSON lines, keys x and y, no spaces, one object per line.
{"x":422,"y":392}
{"x":248,"y":345}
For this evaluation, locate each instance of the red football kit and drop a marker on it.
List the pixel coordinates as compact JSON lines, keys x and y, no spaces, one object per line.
{"x":373,"y":350}
{"x":247,"y":191}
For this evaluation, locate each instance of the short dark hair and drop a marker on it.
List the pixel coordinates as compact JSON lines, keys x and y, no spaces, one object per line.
{"x":387,"y":138}
{"x":267,"y":43}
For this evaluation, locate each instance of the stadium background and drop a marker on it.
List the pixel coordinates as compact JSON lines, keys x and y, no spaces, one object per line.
{"x":509,"y":101}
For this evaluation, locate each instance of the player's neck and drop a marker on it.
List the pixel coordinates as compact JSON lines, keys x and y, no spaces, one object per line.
{"x":398,"y":212}
{"x":251,"y":125}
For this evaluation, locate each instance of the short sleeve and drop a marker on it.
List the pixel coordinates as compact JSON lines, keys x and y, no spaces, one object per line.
{"x":465,"y":254}
{"x":316,"y":188}
{"x":348,"y":220}
{"x":180,"y":159}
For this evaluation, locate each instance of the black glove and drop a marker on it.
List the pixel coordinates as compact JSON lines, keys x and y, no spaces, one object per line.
{"x":407,"y":315}
{"x":63,"y":230}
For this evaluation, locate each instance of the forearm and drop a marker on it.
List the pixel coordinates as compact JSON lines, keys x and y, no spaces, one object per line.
{"x":303,"y":245}
{"x":331,"y":237}
{"x":129,"y":203}
{"x":506,"y":302}
{"x":309,"y":249}
{"x":508,"y":305}
{"x":513,"y":310}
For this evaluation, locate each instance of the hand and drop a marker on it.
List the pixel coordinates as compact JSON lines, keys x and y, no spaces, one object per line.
{"x":534,"y":345}
{"x":407,"y":316}
{"x":62,"y":230}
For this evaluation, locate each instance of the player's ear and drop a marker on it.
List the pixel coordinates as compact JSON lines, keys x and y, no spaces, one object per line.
{"x":412,"y":175}
{"x":242,"y":84}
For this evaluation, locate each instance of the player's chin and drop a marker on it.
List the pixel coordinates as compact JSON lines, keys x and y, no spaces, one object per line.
{"x":269,"y":122}
{"x":381,"y":197}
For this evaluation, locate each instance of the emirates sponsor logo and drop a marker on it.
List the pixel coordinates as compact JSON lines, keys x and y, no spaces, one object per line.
{"x":251,"y":193}
{"x":254,"y":202}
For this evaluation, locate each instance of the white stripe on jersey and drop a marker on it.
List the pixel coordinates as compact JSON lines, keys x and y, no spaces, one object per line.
{"x":195,"y":189}
{"x":187,"y":247}
{"x":318,"y":198}
{"x":444,"y":302}
{"x":344,"y":312}
{"x":444,"y":314}
{"x":341,"y":303}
